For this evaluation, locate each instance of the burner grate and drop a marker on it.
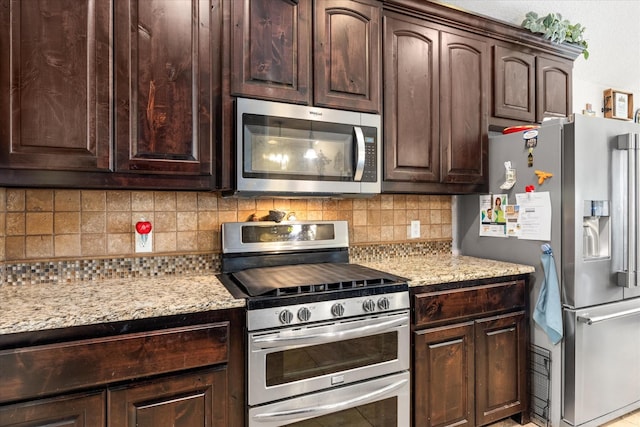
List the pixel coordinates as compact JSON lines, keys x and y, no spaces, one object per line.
{"x":309,"y":278}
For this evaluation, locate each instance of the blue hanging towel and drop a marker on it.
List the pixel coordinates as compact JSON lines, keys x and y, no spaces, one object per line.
{"x":548,"y":310}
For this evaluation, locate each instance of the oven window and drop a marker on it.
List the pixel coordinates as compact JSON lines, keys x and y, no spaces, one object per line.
{"x":322,"y":359}
{"x":383,"y":413}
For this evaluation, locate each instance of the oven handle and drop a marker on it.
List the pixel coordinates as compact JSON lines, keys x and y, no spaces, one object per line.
{"x":279,"y":340}
{"x":315,"y":411}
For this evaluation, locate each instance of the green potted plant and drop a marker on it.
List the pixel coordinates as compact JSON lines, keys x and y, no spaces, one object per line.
{"x":556,"y":29}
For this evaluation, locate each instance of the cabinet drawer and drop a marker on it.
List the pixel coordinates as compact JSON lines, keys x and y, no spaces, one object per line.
{"x":457,"y":304}
{"x":40,"y":370}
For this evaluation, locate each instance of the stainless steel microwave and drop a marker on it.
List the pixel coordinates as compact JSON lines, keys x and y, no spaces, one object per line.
{"x":297,"y":151}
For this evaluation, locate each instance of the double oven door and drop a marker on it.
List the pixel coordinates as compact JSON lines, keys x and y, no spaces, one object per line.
{"x":355,"y":368}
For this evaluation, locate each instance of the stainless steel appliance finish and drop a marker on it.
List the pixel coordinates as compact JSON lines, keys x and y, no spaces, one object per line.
{"x":594,"y":236}
{"x":380,"y":402}
{"x":293,"y":150}
{"x":328,"y":341}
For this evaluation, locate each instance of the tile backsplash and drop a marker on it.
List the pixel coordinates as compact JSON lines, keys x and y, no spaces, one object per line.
{"x":44,"y":224}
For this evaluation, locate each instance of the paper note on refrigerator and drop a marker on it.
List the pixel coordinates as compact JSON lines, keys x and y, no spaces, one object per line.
{"x":534,"y":215}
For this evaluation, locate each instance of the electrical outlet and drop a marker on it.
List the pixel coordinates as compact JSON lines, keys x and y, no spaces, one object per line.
{"x":144,"y":242}
{"x":415,"y":229}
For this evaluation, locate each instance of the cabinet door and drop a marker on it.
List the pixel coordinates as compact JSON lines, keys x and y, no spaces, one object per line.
{"x":347,"y":55}
{"x":411,"y":101}
{"x":86,"y":410}
{"x":554,"y":88}
{"x":501,"y":367}
{"x":164,"y":72}
{"x":514,"y":85}
{"x":271,"y":49}
{"x":190,"y":400}
{"x":55,"y":65}
{"x":443,"y":376}
{"x":464,"y":85}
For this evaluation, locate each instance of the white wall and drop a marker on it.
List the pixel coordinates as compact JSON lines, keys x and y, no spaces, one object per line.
{"x":612,"y":31}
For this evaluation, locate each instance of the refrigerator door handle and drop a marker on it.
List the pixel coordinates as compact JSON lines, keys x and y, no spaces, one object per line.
{"x":628,"y":277}
{"x":597,"y":319}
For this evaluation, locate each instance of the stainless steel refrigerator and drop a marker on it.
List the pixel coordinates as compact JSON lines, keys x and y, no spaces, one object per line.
{"x":594,"y":194}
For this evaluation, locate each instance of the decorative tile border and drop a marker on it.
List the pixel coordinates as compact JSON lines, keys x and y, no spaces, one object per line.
{"x":63,"y":271}
{"x":398,"y":250}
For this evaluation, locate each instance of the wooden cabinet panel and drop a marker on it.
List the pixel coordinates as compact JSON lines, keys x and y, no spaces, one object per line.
{"x":464,"y":86}
{"x":76,"y":364}
{"x":411,"y":101}
{"x":501,"y":368}
{"x":347,"y":55}
{"x":514,"y":84}
{"x":85,"y":410}
{"x":54,"y":76}
{"x":554,"y":88}
{"x":189,"y":400}
{"x":163,"y":87}
{"x":454,"y":305}
{"x":470,"y":363}
{"x":271,"y":53}
{"x":444,"y":376}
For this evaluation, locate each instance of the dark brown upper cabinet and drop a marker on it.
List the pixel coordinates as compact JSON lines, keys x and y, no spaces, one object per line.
{"x":553,"y":88}
{"x":411,"y":101}
{"x":529,"y":87}
{"x":163,"y":67}
{"x":110,"y":94}
{"x":55,"y":107}
{"x":274,"y":41}
{"x":435,"y":104}
{"x":347,"y":55}
{"x":272,"y":49}
{"x":514,"y":84}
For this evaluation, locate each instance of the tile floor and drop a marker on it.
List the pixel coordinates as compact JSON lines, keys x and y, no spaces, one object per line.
{"x":629,"y":420}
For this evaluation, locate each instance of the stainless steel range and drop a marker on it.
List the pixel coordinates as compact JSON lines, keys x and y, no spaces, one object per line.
{"x":328,"y":341}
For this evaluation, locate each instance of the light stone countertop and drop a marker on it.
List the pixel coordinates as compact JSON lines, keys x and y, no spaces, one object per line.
{"x":28,"y":308}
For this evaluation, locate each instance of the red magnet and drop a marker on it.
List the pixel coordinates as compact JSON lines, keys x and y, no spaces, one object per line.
{"x":143,"y":227}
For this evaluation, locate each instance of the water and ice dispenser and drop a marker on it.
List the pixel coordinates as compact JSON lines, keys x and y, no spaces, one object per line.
{"x":595,"y":229}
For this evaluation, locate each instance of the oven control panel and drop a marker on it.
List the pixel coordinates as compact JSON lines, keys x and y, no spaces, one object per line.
{"x":309,"y":312}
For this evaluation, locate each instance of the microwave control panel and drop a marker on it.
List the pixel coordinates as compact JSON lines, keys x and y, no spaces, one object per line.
{"x":370,"y":172}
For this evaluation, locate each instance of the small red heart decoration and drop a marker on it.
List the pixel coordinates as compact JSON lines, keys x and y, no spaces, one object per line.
{"x":143,"y":227}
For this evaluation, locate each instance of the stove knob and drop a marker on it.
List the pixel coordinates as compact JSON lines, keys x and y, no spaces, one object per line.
{"x":337,"y":310}
{"x":368,"y":305}
{"x":304,"y":314}
{"x":383,"y":303}
{"x":285,"y":317}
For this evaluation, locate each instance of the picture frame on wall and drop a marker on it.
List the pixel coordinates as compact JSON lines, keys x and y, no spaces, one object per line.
{"x":621,"y":105}
{"x":618,"y":104}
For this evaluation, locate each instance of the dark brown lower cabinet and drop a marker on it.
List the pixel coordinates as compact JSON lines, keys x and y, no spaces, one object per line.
{"x":470,"y":355}
{"x":192,"y":400}
{"x":180,"y":371}
{"x":83,"y":410}
{"x":444,"y":376}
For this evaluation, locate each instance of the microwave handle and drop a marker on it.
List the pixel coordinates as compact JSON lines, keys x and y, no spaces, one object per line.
{"x":360,"y":154}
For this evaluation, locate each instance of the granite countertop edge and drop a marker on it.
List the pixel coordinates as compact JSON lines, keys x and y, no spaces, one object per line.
{"x":29,"y":308}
